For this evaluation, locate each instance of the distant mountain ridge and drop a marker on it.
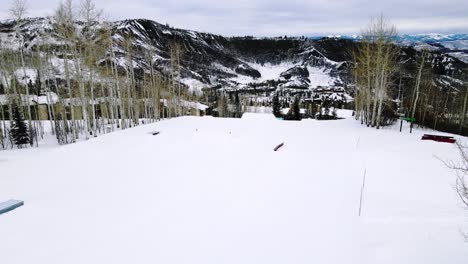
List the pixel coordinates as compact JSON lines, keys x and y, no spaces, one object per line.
{"x":454,"y":45}
{"x":408,"y":38}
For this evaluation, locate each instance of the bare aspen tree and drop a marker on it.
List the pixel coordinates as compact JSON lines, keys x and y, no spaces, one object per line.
{"x":129,"y":80}
{"x":18,"y":9}
{"x":120,"y":102}
{"x":2,"y":127}
{"x":90,"y":15}
{"x":152,"y":84}
{"x":465,"y":100}
{"x":176,"y":53}
{"x":64,"y":21}
{"x":375,"y":64}
{"x":65,"y":18}
{"x":418,"y":83}
{"x":461,"y":172}
{"x":41,"y":66}
{"x":109,"y":87}
{"x":7,"y":84}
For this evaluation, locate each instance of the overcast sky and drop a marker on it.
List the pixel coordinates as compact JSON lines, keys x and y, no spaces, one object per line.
{"x":280,"y":17}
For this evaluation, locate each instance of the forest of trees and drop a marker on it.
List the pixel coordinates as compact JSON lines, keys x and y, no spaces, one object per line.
{"x":96,"y":95}
{"x":388,"y":87}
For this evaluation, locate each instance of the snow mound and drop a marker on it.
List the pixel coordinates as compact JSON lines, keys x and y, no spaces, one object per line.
{"x":212,"y":190}
{"x":258,"y":116}
{"x":26,"y":75}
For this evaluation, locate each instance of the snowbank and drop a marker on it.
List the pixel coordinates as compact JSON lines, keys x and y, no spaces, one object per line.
{"x":258,"y":117}
{"x":212,"y":190}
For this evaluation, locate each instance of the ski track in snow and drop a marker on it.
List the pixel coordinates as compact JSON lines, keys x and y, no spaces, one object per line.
{"x":212,"y":190}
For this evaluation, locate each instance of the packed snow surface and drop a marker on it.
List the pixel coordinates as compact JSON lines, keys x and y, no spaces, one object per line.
{"x":212,"y":190}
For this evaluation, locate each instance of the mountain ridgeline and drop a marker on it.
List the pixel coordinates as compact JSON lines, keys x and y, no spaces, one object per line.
{"x":209,"y":60}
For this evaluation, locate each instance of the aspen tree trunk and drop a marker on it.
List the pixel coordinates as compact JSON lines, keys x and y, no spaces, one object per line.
{"x":47,"y":88}
{"x":178,"y":81}
{"x":129,"y":99}
{"x":383,"y":83}
{"x":369,"y":85}
{"x":31,"y":129}
{"x":153,"y":87}
{"x":377,"y":82}
{"x":158,"y":98}
{"x":418,"y":83}
{"x":463,"y":113}
{"x":9,"y":96}
{"x":103,"y":102}
{"x":111,"y":99}
{"x":129,"y":83}
{"x":71,"y":102}
{"x":93,"y":103}
{"x":426,"y":104}
{"x":42,"y":73}
{"x":81,"y":85}
{"x":135,"y":98}
{"x":3,"y":128}
{"x":146,"y":94}
{"x":120,"y":106}
{"x":66,"y":125}
{"x":57,"y":127}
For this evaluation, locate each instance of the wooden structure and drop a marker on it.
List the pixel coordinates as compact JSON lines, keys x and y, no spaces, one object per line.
{"x":438,"y":138}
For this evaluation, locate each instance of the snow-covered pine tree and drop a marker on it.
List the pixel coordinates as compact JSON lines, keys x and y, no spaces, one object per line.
{"x":276,"y":105}
{"x":237,"y":104}
{"x":296,"y":111}
{"x":2,"y":142}
{"x":19,"y":131}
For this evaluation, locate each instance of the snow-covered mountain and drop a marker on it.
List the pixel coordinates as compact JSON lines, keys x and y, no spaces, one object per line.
{"x":211,"y":61}
{"x":410,"y":38}
{"x":207,"y":60}
{"x":434,"y":37}
{"x":454,"y":45}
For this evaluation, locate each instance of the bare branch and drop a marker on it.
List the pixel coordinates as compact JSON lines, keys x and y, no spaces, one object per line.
{"x":461,"y":170}
{"x":18,"y":9}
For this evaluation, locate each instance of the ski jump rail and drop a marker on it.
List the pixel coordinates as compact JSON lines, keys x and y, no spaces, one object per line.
{"x":278,"y":147}
{"x":10,"y":205}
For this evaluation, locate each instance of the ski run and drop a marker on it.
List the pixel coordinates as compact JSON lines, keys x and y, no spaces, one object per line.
{"x":212,"y":190}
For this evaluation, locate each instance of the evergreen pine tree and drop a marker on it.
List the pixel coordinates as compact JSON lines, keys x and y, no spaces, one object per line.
{"x":296,"y":111}
{"x":237,"y":103}
{"x":19,"y":131}
{"x":1,"y":138}
{"x":276,"y":106}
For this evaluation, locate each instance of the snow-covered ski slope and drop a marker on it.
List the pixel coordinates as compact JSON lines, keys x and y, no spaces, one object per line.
{"x":210,"y":190}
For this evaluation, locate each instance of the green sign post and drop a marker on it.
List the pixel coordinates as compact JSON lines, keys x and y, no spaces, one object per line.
{"x":409,"y":119}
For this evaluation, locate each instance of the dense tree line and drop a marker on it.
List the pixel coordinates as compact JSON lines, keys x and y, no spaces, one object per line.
{"x":99,"y":91}
{"x":390,"y":85}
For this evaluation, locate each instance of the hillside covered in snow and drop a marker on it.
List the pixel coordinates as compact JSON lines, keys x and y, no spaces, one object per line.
{"x":209,"y":61}
{"x":212,"y":190}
